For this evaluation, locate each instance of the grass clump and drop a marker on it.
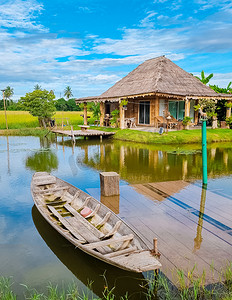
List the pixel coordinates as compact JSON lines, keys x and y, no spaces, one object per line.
{"x":5,"y":289}
{"x":188,"y":287}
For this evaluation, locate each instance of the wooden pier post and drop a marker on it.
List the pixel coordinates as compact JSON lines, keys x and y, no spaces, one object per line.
{"x":85,"y":114}
{"x":72,"y":133}
{"x":102,"y":113}
{"x":109,"y":183}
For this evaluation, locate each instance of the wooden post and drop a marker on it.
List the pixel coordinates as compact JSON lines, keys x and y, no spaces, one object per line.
{"x":4,"y":103}
{"x":155,"y":247}
{"x":102,"y":114}
{"x":122,"y":117}
{"x":228,"y":110}
{"x":156,"y":109}
{"x":72,"y":133}
{"x":101,"y":138}
{"x":109,"y":183}
{"x":187,"y":108}
{"x":85,"y":113}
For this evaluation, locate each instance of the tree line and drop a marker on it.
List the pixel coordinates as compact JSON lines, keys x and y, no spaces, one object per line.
{"x":42,"y":104}
{"x":61,"y":104}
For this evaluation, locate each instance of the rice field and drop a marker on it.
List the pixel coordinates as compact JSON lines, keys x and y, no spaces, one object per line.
{"x":23,"y":119}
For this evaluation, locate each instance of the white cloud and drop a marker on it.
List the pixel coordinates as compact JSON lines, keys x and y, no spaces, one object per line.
{"x":42,"y":57}
{"x":148,"y":21}
{"x":20,"y":14}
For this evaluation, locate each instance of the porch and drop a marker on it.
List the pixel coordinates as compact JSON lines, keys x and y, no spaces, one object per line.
{"x":146,"y":111}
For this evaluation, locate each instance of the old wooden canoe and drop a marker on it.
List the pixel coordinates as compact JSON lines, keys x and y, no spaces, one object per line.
{"x":90,"y":225}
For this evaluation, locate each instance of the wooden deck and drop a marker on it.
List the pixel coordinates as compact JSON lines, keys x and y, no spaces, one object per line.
{"x":86,"y":133}
{"x":193,"y":227}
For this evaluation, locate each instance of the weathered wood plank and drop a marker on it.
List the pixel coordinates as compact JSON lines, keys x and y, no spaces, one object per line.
{"x":114,"y":229}
{"x":83,"y":221}
{"x":109,"y":242}
{"x":67,"y":225}
{"x":121,"y":252}
{"x":104,"y":220}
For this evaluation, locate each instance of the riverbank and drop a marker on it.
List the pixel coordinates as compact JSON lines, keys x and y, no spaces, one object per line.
{"x":156,"y":287}
{"x":173,"y":137}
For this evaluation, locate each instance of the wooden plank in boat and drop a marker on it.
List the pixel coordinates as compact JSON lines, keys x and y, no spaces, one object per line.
{"x":43,"y":180}
{"x":121,"y":252}
{"x":86,"y":223}
{"x":141,"y":261}
{"x":88,"y":235}
{"x":53,"y":190}
{"x":66,"y":224}
{"x":109,"y":241}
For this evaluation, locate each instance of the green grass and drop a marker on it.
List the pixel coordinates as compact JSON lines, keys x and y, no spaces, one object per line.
{"x":188,"y":287}
{"x":28,"y":125}
{"x":22,"y":119}
{"x":172,"y":137}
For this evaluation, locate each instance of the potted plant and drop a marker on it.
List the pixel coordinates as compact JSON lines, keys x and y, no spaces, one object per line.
{"x":186,"y":121}
{"x":229,"y":122}
{"x":124,"y":103}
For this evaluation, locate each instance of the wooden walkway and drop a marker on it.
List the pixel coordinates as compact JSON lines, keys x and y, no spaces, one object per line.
{"x":193,"y":226}
{"x":86,"y":133}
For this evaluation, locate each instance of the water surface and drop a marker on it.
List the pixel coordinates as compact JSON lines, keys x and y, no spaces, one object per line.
{"x":32,"y":252}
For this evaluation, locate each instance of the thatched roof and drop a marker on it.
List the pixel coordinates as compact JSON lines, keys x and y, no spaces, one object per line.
{"x":159,"y":76}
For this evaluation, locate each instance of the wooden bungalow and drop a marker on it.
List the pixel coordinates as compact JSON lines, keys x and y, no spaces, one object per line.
{"x":155,"y":89}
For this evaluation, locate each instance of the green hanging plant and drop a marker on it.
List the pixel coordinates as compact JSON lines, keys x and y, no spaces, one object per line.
{"x":124,"y":102}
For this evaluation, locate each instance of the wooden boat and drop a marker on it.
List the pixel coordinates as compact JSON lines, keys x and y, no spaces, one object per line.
{"x":90,"y":225}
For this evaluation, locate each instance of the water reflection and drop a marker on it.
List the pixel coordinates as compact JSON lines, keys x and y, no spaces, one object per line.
{"x":88,"y":269}
{"x":198,"y":239}
{"x":144,"y":163}
{"x":112,"y":202}
{"x":42,"y":161}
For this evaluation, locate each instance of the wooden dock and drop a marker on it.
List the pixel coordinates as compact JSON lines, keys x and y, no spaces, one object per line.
{"x":84,"y":133}
{"x":193,"y":226}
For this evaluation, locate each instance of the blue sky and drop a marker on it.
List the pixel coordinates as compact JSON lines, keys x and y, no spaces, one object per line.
{"x":91,"y":44}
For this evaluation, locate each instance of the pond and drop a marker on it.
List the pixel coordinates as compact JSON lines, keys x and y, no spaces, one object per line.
{"x":34,"y":254}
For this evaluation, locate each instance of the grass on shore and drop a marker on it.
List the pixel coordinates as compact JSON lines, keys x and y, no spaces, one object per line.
{"x":22,"y":123}
{"x":190,"y":288}
{"x":172,"y":137}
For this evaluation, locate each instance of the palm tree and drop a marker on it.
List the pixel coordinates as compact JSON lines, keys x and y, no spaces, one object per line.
{"x":9,"y":92}
{"x":68,"y":92}
{"x":229,"y":89}
{"x":204,"y":79}
{"x":37,"y":87}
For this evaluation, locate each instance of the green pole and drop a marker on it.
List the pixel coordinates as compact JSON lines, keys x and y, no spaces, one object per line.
{"x":204,"y":152}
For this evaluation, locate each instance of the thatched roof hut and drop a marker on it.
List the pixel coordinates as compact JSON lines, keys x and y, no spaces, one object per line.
{"x":155,"y":86}
{"x":158,"y":76}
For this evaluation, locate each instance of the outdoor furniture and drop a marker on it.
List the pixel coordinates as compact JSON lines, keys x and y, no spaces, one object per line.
{"x":107,"y":120}
{"x":162,"y":122}
{"x":129,"y":122}
{"x":84,"y":127}
{"x":223,"y":124}
{"x":97,"y":122}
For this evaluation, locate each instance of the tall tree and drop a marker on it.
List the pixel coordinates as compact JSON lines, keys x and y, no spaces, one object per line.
{"x":204,"y":79}
{"x":40,"y":104}
{"x":68,"y":92}
{"x":9,"y":92}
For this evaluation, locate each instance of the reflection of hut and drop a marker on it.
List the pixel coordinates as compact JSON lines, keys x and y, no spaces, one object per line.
{"x":160,"y":190}
{"x":153,"y":89}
